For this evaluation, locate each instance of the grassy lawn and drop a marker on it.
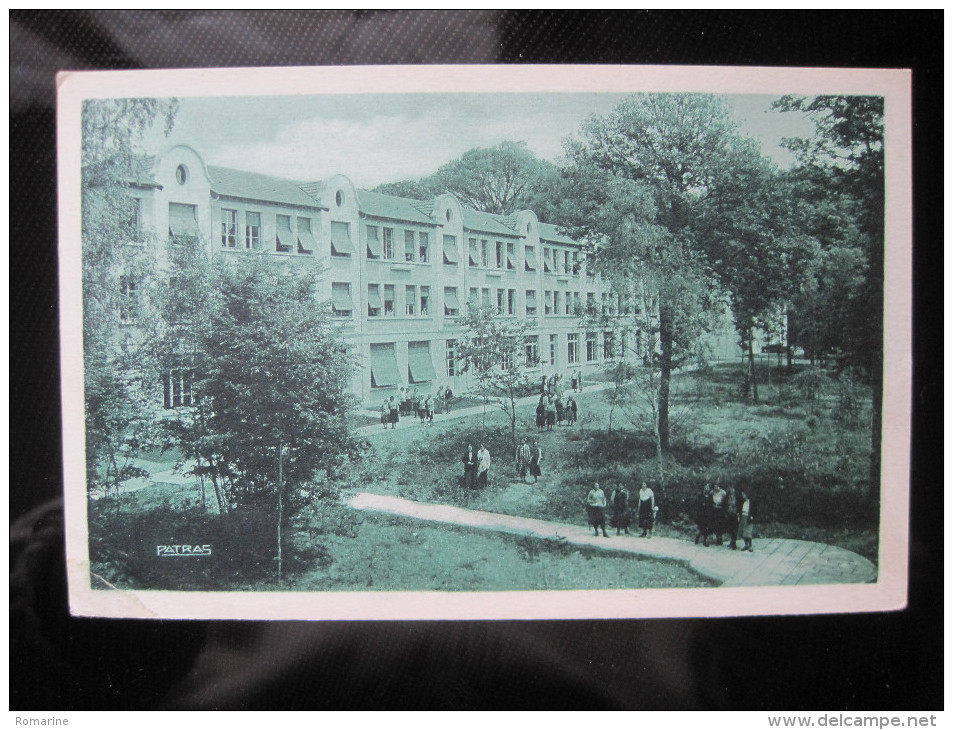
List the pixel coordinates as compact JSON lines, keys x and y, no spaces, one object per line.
{"x":332,"y":548}
{"x":807,"y":474}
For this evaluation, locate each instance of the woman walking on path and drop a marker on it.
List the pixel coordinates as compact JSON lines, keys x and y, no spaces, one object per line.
{"x":744,"y":525}
{"x":469,"y":467}
{"x":550,"y":414}
{"x":595,"y":509}
{"x":385,"y":413}
{"x":647,"y":510}
{"x":541,"y":414}
{"x":620,"y":509}
{"x":483,"y":467}
{"x":535,"y":458}
{"x":560,"y":411}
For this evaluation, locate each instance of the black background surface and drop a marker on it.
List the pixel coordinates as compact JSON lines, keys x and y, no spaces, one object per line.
{"x":876,"y":661}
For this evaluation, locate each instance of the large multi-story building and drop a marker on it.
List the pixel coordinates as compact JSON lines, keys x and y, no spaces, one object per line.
{"x":398,"y":272}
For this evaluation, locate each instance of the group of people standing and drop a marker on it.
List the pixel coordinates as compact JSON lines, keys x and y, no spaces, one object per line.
{"x":476,"y":467}
{"x":720,"y":512}
{"x":423,"y":406}
{"x":552,"y":412}
{"x":646,"y":509}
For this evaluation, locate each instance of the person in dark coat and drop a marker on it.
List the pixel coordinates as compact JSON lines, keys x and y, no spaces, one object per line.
{"x":702,"y":512}
{"x":541,"y":414}
{"x":469,"y":467}
{"x":560,"y":411}
{"x":536,"y":457}
{"x":620,"y":509}
{"x":550,"y":415}
{"x":572,"y":411}
{"x":394,"y":414}
{"x":730,"y":517}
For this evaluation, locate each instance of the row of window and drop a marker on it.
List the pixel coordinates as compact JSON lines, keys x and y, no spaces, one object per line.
{"x":382,"y":301}
{"x":295,"y":234}
{"x":177,"y":382}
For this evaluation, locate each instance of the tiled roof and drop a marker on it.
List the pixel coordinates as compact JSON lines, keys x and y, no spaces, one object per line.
{"x":142,"y":171}
{"x":509,"y":221}
{"x":254,"y":186}
{"x":474,"y":220}
{"x":549,"y":232}
{"x":391,"y":207}
{"x":424,"y":206}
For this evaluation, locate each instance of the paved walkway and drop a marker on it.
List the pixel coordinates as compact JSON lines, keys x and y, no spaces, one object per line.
{"x":775,"y":562}
{"x":492,"y":406}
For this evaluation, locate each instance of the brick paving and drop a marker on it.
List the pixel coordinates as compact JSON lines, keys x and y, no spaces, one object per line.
{"x":774,"y":562}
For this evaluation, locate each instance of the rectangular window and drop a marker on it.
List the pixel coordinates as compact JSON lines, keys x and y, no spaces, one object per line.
{"x":410,"y":246}
{"x":484,"y":254}
{"x":384,"y":370}
{"x":425,"y":301}
{"x":548,"y":302}
{"x":451,"y":305}
{"x":473,"y":253}
{"x":128,"y":299}
{"x":566,"y":267}
{"x":592,"y":345}
{"x":511,"y":256}
{"x":389,"y":300}
{"x":511,"y":302}
{"x":374,"y":302}
{"x":420,"y":367}
{"x":410,"y":300}
{"x":305,"y":239}
{"x":553,"y":341}
{"x":500,"y":293}
{"x":450,"y":255}
{"x":474,"y":299}
{"x":546,"y":266}
{"x":556,"y":309}
{"x":499,"y":254}
{"x":183,"y":224}
{"x":252,"y":230}
{"x":341,"y":244}
{"x":531,"y":303}
{"x":531,"y":351}
{"x":576,"y":267}
{"x":374,"y":248}
{"x":229,"y":228}
{"x":284,"y":239}
{"x":341,"y":303}
{"x":591,"y":302}
{"x":530,"y":262}
{"x":568,"y":303}
{"x":576,"y":303}
{"x":451,"y":358}
{"x":572,"y":349}
{"x":389,"y":244}
{"x":423,"y":249}
{"x":135,"y":220}
{"x":608,"y":346}
{"x":177,"y":387}
{"x":485,"y":297}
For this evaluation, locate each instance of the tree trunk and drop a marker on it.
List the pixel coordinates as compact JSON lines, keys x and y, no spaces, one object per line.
{"x":751,"y":370}
{"x":665,"y":374}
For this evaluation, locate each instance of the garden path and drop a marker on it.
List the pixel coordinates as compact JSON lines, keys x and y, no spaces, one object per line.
{"x":774,"y":562}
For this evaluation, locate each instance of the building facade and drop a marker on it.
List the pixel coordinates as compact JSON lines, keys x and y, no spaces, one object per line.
{"x":397,"y":272}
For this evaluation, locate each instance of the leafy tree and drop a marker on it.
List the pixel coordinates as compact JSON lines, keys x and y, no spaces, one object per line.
{"x":492,"y":348}
{"x":117,"y":278}
{"x":499,"y":179}
{"x":844,"y":158}
{"x":270,"y":394}
{"x":640,"y":177}
{"x":755,"y":245}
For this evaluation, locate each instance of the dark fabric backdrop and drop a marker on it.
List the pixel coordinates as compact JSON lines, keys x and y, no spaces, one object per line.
{"x":878,"y":661}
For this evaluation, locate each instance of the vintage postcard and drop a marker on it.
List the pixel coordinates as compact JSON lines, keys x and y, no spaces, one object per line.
{"x":479,"y":342}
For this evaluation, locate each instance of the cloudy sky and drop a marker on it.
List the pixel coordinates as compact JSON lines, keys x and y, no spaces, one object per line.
{"x":377,"y":138}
